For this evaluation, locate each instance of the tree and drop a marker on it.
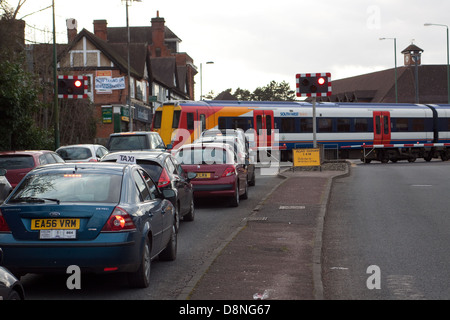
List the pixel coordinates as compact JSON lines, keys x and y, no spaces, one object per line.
{"x":19,"y":100}
{"x":272,"y":92}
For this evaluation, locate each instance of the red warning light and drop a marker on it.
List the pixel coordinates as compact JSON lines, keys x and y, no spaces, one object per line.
{"x":77,"y":83}
{"x":321,"y":81}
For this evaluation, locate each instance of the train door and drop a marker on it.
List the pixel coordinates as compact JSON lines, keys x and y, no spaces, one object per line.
{"x":263,"y":124}
{"x":381,"y":127}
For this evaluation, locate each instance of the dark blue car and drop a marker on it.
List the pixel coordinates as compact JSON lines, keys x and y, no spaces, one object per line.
{"x":101,"y":217}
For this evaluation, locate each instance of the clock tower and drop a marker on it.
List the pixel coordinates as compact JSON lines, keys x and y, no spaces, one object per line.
{"x":412,"y":54}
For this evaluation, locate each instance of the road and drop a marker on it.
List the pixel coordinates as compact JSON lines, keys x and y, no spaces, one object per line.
{"x":388,"y":226}
{"x":214,"y":222}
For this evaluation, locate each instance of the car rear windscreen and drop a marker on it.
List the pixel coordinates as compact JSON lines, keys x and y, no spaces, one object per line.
{"x":131,"y":142}
{"x":11,"y":162}
{"x":75,"y":153}
{"x":85,"y":187}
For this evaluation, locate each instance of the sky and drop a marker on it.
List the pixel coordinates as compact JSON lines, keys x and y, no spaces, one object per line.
{"x":253,"y":42}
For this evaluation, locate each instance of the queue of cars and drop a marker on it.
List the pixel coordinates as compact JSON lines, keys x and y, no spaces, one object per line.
{"x":112,"y":211}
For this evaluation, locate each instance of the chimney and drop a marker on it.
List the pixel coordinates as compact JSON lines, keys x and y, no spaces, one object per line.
{"x":71,"y":29}
{"x":158,"y":30}
{"x":100,"y":29}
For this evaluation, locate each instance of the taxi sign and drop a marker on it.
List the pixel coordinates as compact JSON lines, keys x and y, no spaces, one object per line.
{"x":306,"y":157}
{"x":126,"y":159}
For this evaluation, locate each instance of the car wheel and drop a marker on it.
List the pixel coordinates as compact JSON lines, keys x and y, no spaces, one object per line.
{"x":191,"y":214}
{"x":253,"y":179}
{"x":245,"y":195}
{"x":177,"y":217}
{"x":14,"y":295}
{"x":141,"y":278}
{"x":170,"y":252}
{"x":235,"y":199}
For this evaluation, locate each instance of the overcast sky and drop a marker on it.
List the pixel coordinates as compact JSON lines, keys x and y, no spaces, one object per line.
{"x":255,"y":41}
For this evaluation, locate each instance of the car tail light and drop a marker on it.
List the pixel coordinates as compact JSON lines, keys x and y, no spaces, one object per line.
{"x":164,"y":179}
{"x":229,"y":171}
{"x":93,"y":160}
{"x":120,"y":220}
{"x":3,"y":225}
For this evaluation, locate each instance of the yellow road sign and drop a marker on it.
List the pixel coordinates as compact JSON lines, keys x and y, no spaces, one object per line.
{"x":306,"y":157}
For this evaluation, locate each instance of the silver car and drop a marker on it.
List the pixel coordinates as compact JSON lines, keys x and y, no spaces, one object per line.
{"x":82,"y":152}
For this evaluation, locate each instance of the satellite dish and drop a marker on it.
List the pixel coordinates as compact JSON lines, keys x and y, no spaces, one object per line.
{"x":71,"y":23}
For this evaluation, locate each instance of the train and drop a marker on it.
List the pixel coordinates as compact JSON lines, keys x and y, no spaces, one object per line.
{"x":369,"y":131}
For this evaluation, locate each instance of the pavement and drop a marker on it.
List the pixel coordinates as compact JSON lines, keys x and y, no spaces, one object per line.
{"x":276,"y":252}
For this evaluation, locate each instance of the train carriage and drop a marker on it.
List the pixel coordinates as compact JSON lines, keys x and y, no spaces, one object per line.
{"x":396,"y":131}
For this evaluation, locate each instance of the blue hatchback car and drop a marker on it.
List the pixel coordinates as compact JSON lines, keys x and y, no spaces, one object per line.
{"x":101,"y":217}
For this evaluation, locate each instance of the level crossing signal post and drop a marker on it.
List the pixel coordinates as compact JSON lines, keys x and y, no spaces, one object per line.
{"x":313,"y":85}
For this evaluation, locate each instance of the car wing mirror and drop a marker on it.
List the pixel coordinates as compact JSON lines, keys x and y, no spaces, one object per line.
{"x":168,"y":193}
{"x":191,"y":175}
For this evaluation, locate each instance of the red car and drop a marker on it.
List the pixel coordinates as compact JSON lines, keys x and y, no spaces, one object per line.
{"x":218,"y":170}
{"x":19,"y":163}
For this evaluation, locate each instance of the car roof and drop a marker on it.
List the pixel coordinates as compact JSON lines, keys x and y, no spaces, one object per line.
{"x":105,"y":167}
{"x":25,"y":152}
{"x":207,"y":145}
{"x":80,"y":145}
{"x":132,"y":133}
{"x":158,"y":156}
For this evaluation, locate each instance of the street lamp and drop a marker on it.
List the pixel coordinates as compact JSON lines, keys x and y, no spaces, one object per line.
{"x":448,"y":62}
{"x":395,"y":59}
{"x":201,"y":81}
{"x":130,"y":117}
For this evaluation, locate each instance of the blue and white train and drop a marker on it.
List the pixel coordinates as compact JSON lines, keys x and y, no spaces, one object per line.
{"x":368,"y":131}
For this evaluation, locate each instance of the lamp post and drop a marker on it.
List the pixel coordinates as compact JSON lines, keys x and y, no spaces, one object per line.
{"x":448,"y":62}
{"x":395,"y":59}
{"x":201,"y":76}
{"x":130,"y":117}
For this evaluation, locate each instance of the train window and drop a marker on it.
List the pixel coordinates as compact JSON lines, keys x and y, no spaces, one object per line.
{"x":306,"y":125}
{"x":401,"y":124}
{"x":361,"y":125}
{"x":176,"y":119}
{"x":287,"y":125}
{"x":239,"y":123}
{"x":258,"y":123}
{"x":386,"y":125}
{"x":418,"y":125}
{"x":325,"y":125}
{"x":157,"y":121}
{"x":222,"y":123}
{"x":203,"y":122}
{"x":343,"y":125}
{"x":190,"y":120}
{"x":269,"y":124}
{"x":377,"y":125}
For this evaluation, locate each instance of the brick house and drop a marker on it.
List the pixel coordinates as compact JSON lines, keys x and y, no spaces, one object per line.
{"x":158,"y":72}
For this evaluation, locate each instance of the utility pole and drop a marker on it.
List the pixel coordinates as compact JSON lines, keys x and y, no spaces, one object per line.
{"x":55,"y":83}
{"x":128,"y":67}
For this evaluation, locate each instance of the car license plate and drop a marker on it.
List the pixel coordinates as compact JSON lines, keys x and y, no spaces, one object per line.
{"x":55,"y":224}
{"x":203,"y":175}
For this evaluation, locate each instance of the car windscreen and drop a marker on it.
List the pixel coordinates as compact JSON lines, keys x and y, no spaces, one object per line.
{"x":12,"y":162}
{"x":75,"y":153}
{"x":128,"y":142}
{"x":204,"y":155}
{"x":85,"y":187}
